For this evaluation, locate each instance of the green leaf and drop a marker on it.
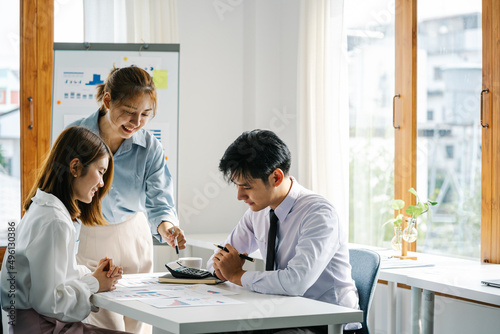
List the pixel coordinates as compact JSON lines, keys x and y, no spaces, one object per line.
{"x":398,"y":204}
{"x":413,"y":191}
{"x":432,"y":203}
{"x":409,"y":210}
{"x":414,"y":211}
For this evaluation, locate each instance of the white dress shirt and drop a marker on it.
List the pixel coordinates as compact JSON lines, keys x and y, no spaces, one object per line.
{"x":44,"y":275}
{"x":312,"y":259}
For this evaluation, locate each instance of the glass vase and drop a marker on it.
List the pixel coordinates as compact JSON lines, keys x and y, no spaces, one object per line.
{"x":397,"y":239}
{"x":410,"y":232}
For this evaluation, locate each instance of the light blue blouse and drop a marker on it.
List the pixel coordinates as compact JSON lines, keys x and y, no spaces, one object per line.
{"x":141,"y":182}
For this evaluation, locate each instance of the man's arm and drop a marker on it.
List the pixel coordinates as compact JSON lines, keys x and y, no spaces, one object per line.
{"x":241,"y":238}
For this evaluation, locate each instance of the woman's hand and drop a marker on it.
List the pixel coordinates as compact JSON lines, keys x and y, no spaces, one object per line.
{"x":107,"y":274}
{"x":169,"y":232}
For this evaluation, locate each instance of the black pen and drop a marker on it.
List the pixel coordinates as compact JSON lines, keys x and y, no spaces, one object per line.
{"x":243,"y":256}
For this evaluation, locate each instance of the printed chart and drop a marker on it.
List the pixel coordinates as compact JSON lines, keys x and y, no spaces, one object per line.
{"x":148,"y":290}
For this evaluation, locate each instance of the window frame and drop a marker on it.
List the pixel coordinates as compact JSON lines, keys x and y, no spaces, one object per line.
{"x":406,"y":118}
{"x":36,"y":57}
{"x":490,"y":176}
{"x":405,"y":105}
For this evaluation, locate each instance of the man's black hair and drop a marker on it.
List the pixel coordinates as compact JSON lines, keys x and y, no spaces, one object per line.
{"x":255,"y":154}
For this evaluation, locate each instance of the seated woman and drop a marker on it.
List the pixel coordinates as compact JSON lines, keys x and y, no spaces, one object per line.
{"x":42,"y":288}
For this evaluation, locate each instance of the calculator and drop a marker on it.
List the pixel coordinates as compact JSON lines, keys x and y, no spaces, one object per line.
{"x":179,"y":271}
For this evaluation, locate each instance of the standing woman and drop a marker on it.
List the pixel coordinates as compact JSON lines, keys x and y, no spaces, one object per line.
{"x":43,"y":289}
{"x":142,"y":184}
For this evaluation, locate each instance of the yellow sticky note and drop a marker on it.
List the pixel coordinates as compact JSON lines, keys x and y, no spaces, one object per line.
{"x":160,"y":78}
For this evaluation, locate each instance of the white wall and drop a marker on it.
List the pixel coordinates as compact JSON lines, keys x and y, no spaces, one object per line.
{"x":238,"y":65}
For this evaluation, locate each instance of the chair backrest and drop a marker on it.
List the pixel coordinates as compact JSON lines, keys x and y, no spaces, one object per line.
{"x":365,"y":267}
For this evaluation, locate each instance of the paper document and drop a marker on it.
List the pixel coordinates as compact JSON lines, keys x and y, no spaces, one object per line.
{"x":193,"y":301}
{"x":147,"y":289}
{"x":394,"y":263}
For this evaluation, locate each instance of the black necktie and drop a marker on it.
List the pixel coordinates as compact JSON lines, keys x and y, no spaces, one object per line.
{"x":271,"y":241}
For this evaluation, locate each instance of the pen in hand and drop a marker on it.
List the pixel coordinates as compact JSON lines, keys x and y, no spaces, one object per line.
{"x":243,"y":256}
{"x":175,"y":243}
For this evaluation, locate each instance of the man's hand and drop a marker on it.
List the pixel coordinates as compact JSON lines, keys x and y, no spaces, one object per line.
{"x":169,"y":231}
{"x":228,"y":265}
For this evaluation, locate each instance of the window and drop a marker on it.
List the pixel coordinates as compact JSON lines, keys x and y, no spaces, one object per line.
{"x":68,"y":21}
{"x":430,"y":115}
{"x":449,"y":160}
{"x":449,"y":151}
{"x":370,"y":39}
{"x":440,"y":145}
{"x":14,"y":97}
{"x":10,"y":157}
{"x":438,"y":73}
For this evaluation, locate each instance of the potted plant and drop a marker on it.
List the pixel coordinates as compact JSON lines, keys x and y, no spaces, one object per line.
{"x":409,"y":234}
{"x":397,"y":222}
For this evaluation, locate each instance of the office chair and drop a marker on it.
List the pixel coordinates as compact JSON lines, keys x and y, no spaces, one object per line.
{"x":365,"y":267}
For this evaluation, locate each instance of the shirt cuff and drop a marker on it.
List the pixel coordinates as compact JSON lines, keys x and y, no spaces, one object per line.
{"x":83,"y":270}
{"x":91,"y":282}
{"x":247,"y":280}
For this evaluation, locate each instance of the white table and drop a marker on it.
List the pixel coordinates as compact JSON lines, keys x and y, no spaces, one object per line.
{"x":258,"y":312}
{"x":449,"y":276}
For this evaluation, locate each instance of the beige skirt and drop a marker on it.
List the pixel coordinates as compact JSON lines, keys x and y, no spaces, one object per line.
{"x":129,"y":244}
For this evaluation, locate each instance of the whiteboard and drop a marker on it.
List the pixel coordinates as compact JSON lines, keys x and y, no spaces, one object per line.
{"x":79,"y":67}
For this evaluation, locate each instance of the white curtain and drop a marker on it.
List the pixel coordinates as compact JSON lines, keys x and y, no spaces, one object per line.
{"x":130,"y":21}
{"x":323,"y":103}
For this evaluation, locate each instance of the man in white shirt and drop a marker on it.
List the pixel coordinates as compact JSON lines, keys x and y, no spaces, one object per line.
{"x":310,"y":256}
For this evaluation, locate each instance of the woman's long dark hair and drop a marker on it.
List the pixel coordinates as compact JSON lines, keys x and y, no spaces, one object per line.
{"x":55,"y":176}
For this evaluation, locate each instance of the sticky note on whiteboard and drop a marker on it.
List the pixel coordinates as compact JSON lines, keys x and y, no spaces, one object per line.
{"x":160,"y":79}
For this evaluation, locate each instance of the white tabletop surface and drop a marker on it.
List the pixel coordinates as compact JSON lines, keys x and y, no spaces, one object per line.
{"x":258,"y":312}
{"x":451,"y":276}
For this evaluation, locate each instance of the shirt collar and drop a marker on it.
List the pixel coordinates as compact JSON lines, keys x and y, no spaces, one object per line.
{"x":92,"y":123}
{"x":138,"y":138}
{"x":46,"y":199}
{"x":284,"y":208}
